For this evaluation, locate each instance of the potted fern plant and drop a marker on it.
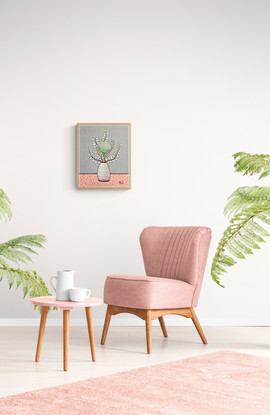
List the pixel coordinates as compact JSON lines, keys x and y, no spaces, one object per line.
{"x":18,"y":251}
{"x":248,"y":209}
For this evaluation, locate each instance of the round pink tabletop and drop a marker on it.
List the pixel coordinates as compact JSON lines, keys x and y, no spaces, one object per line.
{"x":50,"y":301}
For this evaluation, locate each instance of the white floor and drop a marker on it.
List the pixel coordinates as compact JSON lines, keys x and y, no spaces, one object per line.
{"x":125,"y":349}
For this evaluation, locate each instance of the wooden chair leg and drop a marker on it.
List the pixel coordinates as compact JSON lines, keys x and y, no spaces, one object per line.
{"x":88,"y":312}
{"x":42,"y":325}
{"x":198,"y":326}
{"x":106,"y":325}
{"x":163,"y":327}
{"x":66,"y":316}
{"x":148,"y":326}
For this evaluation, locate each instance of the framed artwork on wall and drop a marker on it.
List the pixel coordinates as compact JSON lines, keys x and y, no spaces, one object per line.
{"x":103,"y":156}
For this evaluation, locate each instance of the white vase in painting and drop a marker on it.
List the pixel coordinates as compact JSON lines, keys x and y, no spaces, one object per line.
{"x":103,"y":172}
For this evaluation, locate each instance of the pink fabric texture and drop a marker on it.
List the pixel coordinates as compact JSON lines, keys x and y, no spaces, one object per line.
{"x":147,"y":292}
{"x":174,"y":259}
{"x":221,"y":383}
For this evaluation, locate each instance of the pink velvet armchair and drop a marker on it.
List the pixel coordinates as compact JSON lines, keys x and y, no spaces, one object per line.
{"x":174,"y":259}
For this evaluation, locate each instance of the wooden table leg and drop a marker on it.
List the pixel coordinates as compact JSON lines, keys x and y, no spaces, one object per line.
{"x":42,"y":325}
{"x":88,"y":312}
{"x":66,"y":316}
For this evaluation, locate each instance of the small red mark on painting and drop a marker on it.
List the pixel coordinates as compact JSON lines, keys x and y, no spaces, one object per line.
{"x":121,"y":182}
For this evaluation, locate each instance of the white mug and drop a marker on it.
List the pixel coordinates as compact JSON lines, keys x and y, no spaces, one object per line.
{"x":79,"y":294}
{"x":64,"y":281}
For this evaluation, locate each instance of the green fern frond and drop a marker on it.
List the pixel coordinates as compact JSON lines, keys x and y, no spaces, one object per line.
{"x":32,"y":283}
{"x":17,"y":250}
{"x":263,"y":217}
{"x":252,"y":164}
{"x":25,"y":241}
{"x":247,"y":196}
{"x":5,"y":211}
{"x":242,"y":236}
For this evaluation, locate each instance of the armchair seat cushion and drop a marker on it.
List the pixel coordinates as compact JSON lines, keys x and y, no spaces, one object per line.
{"x":147,"y":292}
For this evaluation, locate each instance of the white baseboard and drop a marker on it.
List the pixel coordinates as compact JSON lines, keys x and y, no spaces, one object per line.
{"x":136,"y":322}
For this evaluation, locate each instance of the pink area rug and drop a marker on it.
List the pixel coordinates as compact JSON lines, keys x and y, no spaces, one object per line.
{"x":221,"y":383}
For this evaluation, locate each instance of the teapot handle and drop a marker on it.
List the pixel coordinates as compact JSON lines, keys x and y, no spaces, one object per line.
{"x":51,"y":280}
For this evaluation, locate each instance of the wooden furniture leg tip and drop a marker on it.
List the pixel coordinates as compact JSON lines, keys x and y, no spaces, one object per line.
{"x":42,"y":325}
{"x":66,"y":317}
{"x":148,"y":327}
{"x":89,"y":319}
{"x":198,"y":326}
{"x":106,"y":326}
{"x":163,"y":327}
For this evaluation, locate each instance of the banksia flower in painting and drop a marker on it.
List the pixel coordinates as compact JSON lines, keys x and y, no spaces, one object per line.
{"x":103,"y":154}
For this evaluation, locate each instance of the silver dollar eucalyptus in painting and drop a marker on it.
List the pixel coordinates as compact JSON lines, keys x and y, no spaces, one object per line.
{"x":103,"y":154}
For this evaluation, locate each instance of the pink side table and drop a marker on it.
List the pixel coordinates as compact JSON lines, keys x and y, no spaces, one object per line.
{"x":66,"y":306}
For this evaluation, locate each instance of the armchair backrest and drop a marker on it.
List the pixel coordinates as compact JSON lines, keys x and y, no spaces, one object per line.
{"x":176,"y":252}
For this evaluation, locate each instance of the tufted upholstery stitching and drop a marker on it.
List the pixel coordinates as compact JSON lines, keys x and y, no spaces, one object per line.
{"x":167,"y":250}
{"x":167,"y":253}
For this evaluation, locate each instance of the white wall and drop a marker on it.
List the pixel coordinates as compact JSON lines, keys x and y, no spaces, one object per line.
{"x":193,"y":79}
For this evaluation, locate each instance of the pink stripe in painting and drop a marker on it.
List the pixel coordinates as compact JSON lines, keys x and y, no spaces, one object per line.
{"x":116,"y":180}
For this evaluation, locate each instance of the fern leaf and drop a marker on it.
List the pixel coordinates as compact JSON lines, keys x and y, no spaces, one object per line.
{"x":242,"y":236}
{"x":264,"y":218}
{"x":2,"y":273}
{"x":16,"y":250}
{"x":26,"y":289}
{"x":10,"y":277}
{"x":240,"y":244}
{"x":235,"y":251}
{"x":18,"y":279}
{"x":258,"y":228}
{"x":252,"y":235}
{"x":30,"y":281}
{"x":15,"y":255}
{"x":27,"y":249}
{"x":246,"y":196}
{"x":28,"y":240}
{"x":252,"y":164}
{"x":227,"y":260}
{"x":265,"y":173}
{"x":247,"y":240}
{"x":3,"y":262}
{"x":5,"y":211}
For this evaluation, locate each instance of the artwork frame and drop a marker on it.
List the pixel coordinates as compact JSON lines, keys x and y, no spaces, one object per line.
{"x":103,"y":156}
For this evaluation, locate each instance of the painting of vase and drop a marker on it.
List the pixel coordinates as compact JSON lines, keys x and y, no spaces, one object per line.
{"x":103,"y":156}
